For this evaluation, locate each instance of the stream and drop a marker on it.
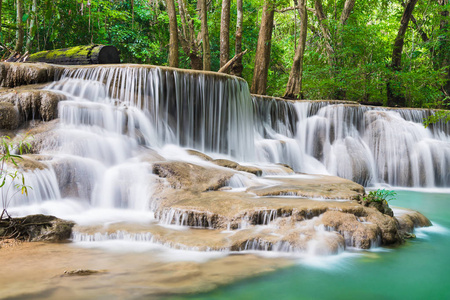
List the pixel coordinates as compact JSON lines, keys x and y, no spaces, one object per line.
{"x":416,"y":270}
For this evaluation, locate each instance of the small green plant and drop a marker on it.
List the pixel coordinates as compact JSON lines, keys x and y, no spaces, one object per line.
{"x":440,"y":115}
{"x":11,"y":181}
{"x":379,"y":195}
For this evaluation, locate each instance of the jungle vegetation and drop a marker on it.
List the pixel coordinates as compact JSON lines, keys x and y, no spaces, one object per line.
{"x":389,"y":52}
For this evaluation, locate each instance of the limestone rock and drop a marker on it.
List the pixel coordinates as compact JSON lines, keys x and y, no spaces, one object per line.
{"x":33,"y":104}
{"x":16,"y":74}
{"x":356,"y":234}
{"x":234,"y":165}
{"x":226,"y":163}
{"x":187,"y":175}
{"x":199,"y":154}
{"x":408,"y":220}
{"x":9,"y":117}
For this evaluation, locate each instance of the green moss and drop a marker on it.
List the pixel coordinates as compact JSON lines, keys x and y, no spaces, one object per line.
{"x":77,"y":51}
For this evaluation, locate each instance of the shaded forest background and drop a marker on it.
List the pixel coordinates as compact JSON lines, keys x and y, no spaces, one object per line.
{"x":348,"y":49}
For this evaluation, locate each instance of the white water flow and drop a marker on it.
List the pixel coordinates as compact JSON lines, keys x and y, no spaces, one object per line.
{"x":114,"y":117}
{"x":368,"y":145}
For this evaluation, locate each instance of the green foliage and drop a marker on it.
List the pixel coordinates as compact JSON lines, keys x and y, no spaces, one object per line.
{"x":362,"y":47}
{"x":12,"y":182}
{"x":380,"y":195}
{"x":439,"y":115}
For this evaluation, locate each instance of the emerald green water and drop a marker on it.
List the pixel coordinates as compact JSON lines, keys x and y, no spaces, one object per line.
{"x":420,"y":269}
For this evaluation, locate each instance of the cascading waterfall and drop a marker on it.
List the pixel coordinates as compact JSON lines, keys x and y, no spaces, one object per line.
{"x":368,"y":145}
{"x":198,"y":110}
{"x":113,"y":117}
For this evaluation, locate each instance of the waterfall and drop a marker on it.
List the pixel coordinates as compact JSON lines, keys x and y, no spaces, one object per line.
{"x":113,"y":115}
{"x":366,"y":144}
{"x":154,"y":106}
{"x":204,"y":111}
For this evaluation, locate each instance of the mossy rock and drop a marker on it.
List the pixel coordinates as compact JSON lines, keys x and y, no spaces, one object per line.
{"x":36,"y":228}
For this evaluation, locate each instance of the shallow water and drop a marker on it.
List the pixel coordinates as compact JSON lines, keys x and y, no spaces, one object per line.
{"x":416,"y":270}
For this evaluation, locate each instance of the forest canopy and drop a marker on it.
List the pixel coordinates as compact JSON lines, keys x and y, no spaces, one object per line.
{"x":376,"y":52}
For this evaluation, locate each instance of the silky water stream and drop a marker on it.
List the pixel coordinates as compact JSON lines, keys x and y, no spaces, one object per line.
{"x":117,"y":121}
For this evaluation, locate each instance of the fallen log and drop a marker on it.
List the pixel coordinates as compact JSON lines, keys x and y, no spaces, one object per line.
{"x":80,"y":55}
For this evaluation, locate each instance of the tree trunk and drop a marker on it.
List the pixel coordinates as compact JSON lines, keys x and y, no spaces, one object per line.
{"x":173,"y":30}
{"x":190,"y":47}
{"x":444,"y":49}
{"x":205,"y":37}
{"x":132,"y":14}
{"x":419,"y":29}
{"x":81,"y":55}
{"x":294,"y":85}
{"x":262,"y":56}
{"x":1,"y":4}
{"x":237,"y":67}
{"x":225,"y":33}
{"x":325,"y":31}
{"x":348,"y":7}
{"x":394,"y":93}
{"x":32,"y":28}
{"x":20,"y":31}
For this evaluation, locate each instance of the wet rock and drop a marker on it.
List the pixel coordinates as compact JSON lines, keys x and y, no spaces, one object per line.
{"x":151,"y":156}
{"x":42,"y":136}
{"x":9,"y":117}
{"x":315,"y":186}
{"x":355,"y":233}
{"x":389,"y":227}
{"x":234,"y":165}
{"x":288,"y":167}
{"x":37,"y":228}
{"x":382,"y":206}
{"x":16,"y":74}
{"x":30,"y":163}
{"x":33,"y":104}
{"x":187,"y":175}
{"x":408,"y":220}
{"x":226,"y":163}
{"x":199,"y":154}
{"x":75,"y":177}
{"x":250,"y":169}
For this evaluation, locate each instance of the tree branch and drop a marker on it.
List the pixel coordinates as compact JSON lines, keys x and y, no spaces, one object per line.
{"x":283,"y":10}
{"x":231,"y":62}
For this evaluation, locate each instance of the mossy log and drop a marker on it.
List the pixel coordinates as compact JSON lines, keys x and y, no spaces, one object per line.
{"x":80,"y":55}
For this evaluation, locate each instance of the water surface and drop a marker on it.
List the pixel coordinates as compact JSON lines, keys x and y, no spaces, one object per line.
{"x":417,"y":270}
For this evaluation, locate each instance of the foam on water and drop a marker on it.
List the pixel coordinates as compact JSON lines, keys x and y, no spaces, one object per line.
{"x":424,"y":232}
